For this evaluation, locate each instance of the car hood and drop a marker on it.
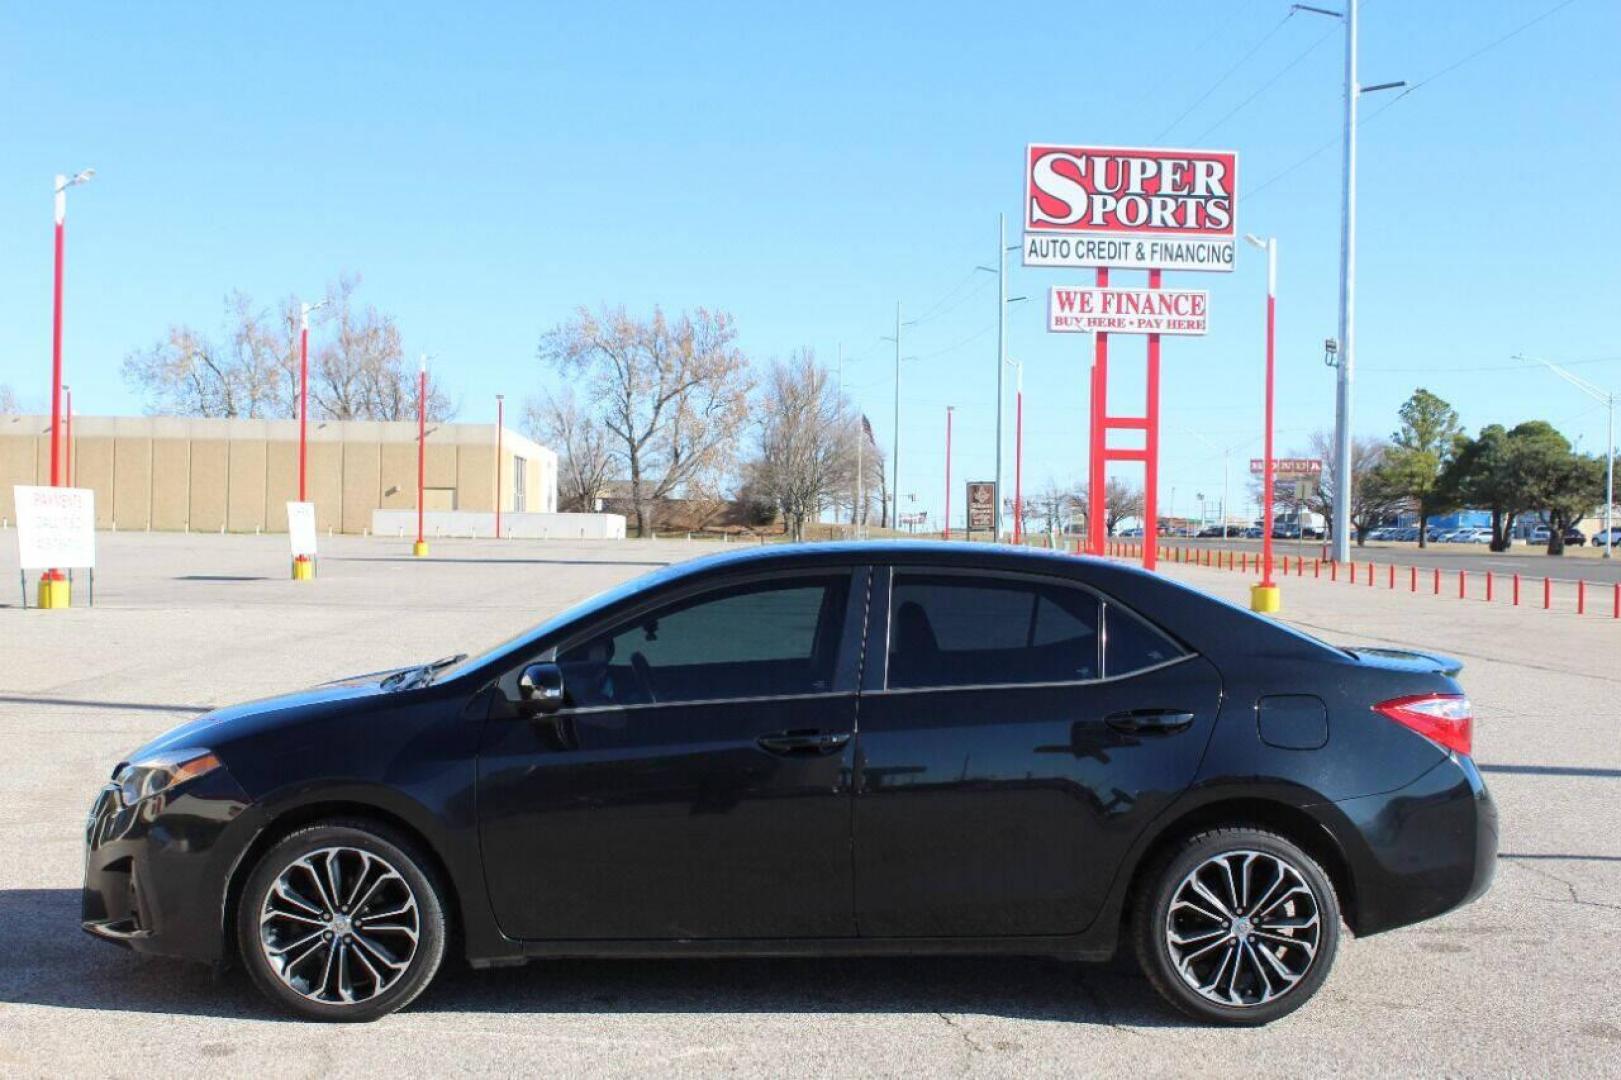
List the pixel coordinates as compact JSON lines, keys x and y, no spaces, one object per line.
{"x":250,"y":717}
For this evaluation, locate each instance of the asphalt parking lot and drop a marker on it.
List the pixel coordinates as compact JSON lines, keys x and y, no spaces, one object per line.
{"x":1522,"y":982}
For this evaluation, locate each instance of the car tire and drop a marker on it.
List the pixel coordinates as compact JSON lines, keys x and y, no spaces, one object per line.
{"x":1239,"y":954}
{"x":372,"y":955}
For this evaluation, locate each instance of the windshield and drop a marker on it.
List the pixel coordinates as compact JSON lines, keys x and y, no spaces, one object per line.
{"x":591,"y":604}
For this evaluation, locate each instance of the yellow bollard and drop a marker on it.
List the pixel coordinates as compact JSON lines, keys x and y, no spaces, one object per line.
{"x":303,"y":568}
{"x":1266,"y":599}
{"x":419,"y":548}
{"x":55,"y":591}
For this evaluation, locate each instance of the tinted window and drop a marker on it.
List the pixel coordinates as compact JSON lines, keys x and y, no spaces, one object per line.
{"x":1132,"y":644}
{"x":757,"y":640}
{"x":952,"y":630}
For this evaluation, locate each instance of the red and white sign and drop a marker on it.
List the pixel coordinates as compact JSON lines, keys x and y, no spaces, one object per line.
{"x":1132,"y":208}
{"x":56,"y":527}
{"x":1082,"y":310}
{"x":1289,"y":466}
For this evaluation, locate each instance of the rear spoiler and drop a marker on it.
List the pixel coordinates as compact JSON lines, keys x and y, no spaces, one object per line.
{"x":1440,"y":662}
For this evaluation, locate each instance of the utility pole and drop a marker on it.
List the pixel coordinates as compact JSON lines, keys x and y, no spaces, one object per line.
{"x":1345,"y":361}
{"x":1001,"y":362}
{"x":895,"y":466}
{"x":1347,"y":332}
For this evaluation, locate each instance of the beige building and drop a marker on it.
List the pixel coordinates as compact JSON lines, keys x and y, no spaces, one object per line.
{"x":182,"y":474}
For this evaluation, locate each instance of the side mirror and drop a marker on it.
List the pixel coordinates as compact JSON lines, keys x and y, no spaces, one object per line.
{"x":541,"y":688}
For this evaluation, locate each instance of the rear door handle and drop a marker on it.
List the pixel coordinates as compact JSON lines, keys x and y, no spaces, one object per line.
{"x":1133,"y":721}
{"x":804,"y":742}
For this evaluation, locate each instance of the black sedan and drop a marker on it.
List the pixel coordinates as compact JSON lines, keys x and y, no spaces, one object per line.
{"x":844,"y":749}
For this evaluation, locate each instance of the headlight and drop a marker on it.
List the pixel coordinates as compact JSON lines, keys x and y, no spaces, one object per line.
{"x":158,"y":773}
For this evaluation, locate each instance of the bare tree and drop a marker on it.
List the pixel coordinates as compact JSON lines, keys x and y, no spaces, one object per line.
{"x":192,"y":374}
{"x":357,"y":370}
{"x":807,"y":445}
{"x":1120,"y":501}
{"x":1372,"y":500}
{"x":581,"y":442}
{"x":9,"y":405}
{"x":673,"y":396}
{"x":1056,"y":503}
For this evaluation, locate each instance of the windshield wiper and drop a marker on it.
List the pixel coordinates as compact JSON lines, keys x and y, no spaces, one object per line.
{"x":411,"y":678}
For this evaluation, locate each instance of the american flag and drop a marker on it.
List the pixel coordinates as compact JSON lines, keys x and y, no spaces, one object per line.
{"x":866,"y":426}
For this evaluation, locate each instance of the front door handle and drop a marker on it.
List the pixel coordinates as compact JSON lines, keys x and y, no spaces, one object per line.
{"x":804,"y":742}
{"x":1136,"y":721}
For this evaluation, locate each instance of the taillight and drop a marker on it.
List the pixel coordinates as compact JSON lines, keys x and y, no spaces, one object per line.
{"x":1446,"y":719}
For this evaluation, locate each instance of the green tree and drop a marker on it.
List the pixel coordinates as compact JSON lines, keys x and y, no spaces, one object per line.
{"x":1512,"y":471}
{"x":1418,"y":455}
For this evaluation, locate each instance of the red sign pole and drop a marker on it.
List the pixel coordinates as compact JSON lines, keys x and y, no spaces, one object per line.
{"x":949,"y":410}
{"x":1151,"y":446}
{"x":1100,"y":412}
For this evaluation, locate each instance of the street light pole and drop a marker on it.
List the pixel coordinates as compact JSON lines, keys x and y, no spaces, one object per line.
{"x":67,"y":436}
{"x":500,"y":420}
{"x":421,"y":545}
{"x":1018,"y":453}
{"x":1264,"y":597}
{"x":949,"y":410}
{"x":304,"y":395}
{"x":53,"y":585}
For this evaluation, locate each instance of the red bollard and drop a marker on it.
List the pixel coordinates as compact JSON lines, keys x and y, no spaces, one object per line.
{"x":1392,"y":575}
{"x":1300,"y":566}
{"x":1370,"y":573}
{"x":1333,"y":571}
{"x":1463,"y":590}
{"x":1617,"y":613}
{"x":1317,"y":567}
{"x":1547,"y":594}
{"x":1437,"y":581}
{"x":1517,"y":590}
{"x":1581,"y":597}
{"x":1488,"y":586}
{"x":1412,"y":584}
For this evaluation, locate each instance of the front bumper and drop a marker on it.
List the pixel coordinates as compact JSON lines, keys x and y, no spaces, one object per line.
{"x":1419,"y":851}
{"x":155,"y":873}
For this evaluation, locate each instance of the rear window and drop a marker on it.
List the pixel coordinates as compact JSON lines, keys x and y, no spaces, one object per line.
{"x":1130,"y":644}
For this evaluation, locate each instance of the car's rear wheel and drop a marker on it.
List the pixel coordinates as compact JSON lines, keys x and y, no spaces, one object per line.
{"x":341,"y":921}
{"x":1236,"y":926}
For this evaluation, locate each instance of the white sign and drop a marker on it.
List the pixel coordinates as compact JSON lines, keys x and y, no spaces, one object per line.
{"x":1085,"y":310}
{"x":301,"y":528}
{"x":1066,"y":251}
{"x":56,"y":528}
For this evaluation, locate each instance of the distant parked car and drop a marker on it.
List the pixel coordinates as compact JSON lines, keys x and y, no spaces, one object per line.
{"x":1614,"y":537}
{"x":1131,"y":532}
{"x":1227,"y":530}
{"x":1284,"y":530}
{"x":1252,"y":533}
{"x":1538,"y":535}
{"x":1311,"y":532}
{"x":1474,"y":536}
{"x":1575,"y":538}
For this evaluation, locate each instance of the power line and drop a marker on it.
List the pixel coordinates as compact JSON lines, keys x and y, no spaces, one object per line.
{"x":1487,"y":367}
{"x":1202,"y":98}
{"x":1264,"y":87}
{"x":1455,"y":65}
{"x":954,"y":347}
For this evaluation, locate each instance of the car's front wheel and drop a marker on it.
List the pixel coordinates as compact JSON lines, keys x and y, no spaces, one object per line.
{"x":1236,"y":926}
{"x":341,"y":920}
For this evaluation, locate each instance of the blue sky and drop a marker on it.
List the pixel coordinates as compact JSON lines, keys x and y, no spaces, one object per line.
{"x":487,"y":168}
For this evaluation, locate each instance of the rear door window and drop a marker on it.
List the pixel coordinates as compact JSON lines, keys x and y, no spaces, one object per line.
{"x":967,"y":630}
